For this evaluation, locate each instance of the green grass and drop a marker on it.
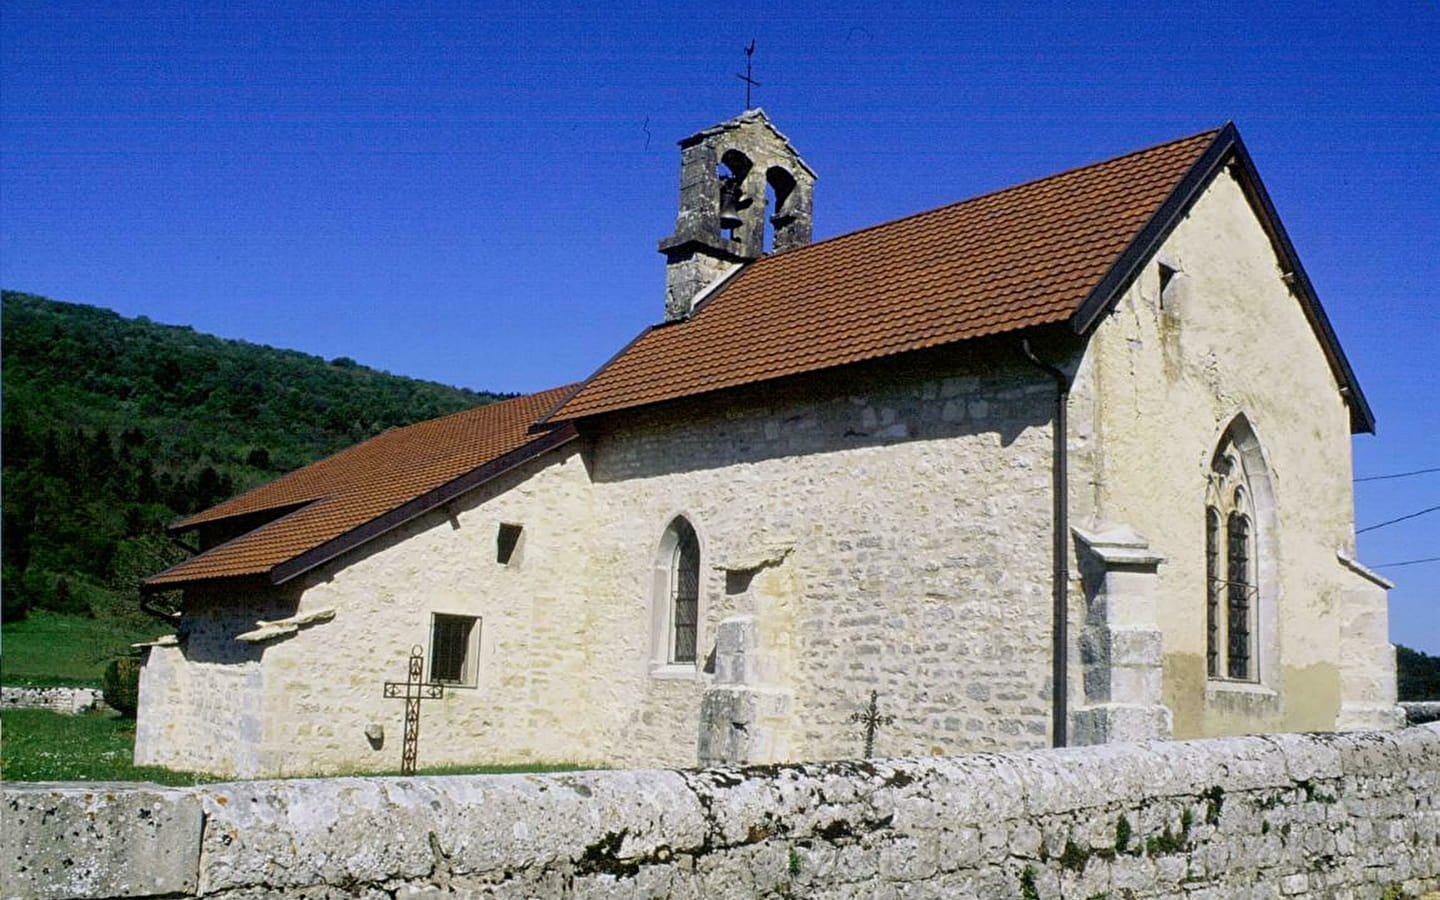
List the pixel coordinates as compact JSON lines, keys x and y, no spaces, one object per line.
{"x":39,"y":745}
{"x":47,"y":648}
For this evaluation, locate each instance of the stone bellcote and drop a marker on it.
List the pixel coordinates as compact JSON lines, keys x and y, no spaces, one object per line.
{"x":736,"y":178}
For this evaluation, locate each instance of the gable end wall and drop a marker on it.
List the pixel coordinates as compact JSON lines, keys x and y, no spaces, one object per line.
{"x":1162,"y":379}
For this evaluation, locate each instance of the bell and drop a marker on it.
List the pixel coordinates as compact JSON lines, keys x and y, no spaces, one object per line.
{"x":731,"y":202}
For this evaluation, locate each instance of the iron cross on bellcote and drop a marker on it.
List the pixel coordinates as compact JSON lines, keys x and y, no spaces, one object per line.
{"x":412,"y":690}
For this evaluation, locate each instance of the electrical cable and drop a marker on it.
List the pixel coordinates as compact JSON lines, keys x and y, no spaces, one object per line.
{"x":1408,"y":562}
{"x":1393,"y":521}
{"x":1397,"y":475}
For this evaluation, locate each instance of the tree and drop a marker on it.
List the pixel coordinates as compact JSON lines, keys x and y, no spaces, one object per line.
{"x":1417,"y":674}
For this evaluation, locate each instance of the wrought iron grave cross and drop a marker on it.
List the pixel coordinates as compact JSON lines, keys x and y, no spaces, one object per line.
{"x":872,"y":720}
{"x":749,"y":82}
{"x":412,"y":690}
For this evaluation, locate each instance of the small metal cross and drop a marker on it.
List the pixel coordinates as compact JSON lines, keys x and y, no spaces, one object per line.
{"x":749,"y":82}
{"x":872,"y":720}
{"x":412,"y":690}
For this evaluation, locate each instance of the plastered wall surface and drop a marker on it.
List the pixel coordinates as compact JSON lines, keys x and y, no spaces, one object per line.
{"x":1327,"y":816}
{"x":1164,"y":376}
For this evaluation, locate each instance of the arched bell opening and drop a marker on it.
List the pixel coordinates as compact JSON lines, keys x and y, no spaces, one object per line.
{"x":780,"y":186}
{"x":733,"y":169}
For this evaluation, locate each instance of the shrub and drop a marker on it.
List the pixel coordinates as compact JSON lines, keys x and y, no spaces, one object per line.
{"x":121,"y":685}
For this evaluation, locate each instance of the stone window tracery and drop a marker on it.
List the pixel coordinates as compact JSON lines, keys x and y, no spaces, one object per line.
{"x":1232,"y":594}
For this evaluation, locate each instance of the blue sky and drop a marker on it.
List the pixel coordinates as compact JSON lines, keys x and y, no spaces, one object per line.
{"x":472,"y":192}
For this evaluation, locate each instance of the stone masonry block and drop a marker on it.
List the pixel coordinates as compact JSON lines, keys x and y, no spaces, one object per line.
{"x":1135,"y":646}
{"x":1140,"y":685}
{"x":288,"y":834}
{"x":1307,"y":758}
{"x":1117,"y":722}
{"x":736,"y":641}
{"x":99,"y":840}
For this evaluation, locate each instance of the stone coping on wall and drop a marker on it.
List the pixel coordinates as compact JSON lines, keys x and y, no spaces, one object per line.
{"x":1324,"y":815}
{"x":68,"y":700}
{"x":1419,"y":712}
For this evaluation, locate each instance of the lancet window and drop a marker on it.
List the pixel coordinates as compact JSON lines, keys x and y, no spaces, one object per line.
{"x":1232,"y":588}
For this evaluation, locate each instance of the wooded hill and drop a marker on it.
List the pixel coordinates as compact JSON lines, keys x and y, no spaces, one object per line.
{"x":115,"y":426}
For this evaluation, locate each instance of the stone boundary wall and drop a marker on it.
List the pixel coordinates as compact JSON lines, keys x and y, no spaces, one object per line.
{"x":68,"y":700}
{"x":1419,"y":712}
{"x":1322,"y":815}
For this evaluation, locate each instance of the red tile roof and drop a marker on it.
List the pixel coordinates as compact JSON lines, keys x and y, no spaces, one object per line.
{"x":1026,"y":256}
{"x":1051,"y":251}
{"x":393,"y":474}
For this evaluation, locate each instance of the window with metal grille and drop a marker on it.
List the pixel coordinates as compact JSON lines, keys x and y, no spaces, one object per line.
{"x":685,"y":593}
{"x":1239,"y":587}
{"x":453,"y":644}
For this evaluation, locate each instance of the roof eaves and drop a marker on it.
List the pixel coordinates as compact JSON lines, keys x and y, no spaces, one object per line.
{"x":257,"y":581}
{"x":276,"y":511}
{"x":420,"y":505}
{"x":1227,"y":147}
{"x":153,"y":583}
{"x":1362,"y":417}
{"x":1133,"y":258}
{"x":867,"y":359}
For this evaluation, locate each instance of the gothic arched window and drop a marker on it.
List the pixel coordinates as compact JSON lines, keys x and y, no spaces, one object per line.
{"x":1232,"y":591}
{"x":675,"y":601}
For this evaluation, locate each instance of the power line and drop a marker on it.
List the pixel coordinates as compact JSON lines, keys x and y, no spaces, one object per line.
{"x":1397,"y":475}
{"x":1408,"y":562}
{"x":1393,"y":521}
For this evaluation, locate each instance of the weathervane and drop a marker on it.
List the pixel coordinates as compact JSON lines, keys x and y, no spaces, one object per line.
{"x":749,"y":82}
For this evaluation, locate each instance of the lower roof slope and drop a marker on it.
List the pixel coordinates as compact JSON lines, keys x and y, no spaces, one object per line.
{"x":363,"y":491}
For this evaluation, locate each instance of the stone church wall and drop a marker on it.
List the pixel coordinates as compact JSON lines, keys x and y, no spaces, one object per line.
{"x":200,"y":706}
{"x":1328,"y":816}
{"x":882,"y":528}
{"x":1166,"y":372}
{"x":887,"y":531}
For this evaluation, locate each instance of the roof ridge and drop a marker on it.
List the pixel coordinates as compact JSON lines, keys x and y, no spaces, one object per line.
{"x":1212,"y":132}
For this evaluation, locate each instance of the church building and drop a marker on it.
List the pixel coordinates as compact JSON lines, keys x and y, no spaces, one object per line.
{"x":1065,"y":463}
